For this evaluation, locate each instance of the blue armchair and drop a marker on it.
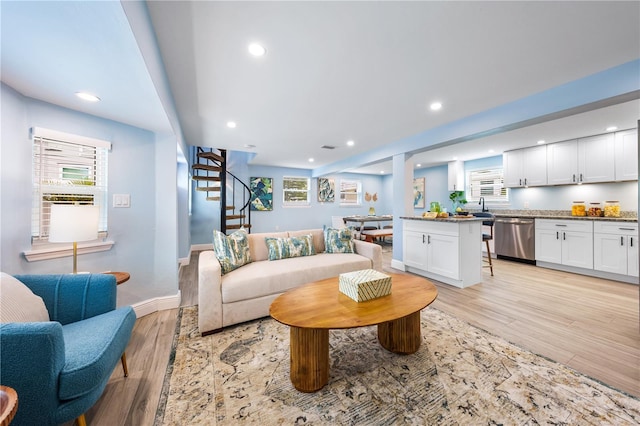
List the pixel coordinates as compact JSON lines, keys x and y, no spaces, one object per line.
{"x":60,"y":368}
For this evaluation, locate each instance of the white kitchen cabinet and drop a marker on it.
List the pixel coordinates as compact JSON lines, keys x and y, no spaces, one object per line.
{"x":525,"y":167}
{"x":615,"y":248}
{"x":415,"y":249}
{"x":562,"y":163}
{"x":626,"y":155}
{"x":596,"y":159}
{"x":455,"y":176}
{"x":447,"y":250}
{"x":565,"y":242}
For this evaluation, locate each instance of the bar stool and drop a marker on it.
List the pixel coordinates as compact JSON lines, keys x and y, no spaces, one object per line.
{"x":487,"y":237}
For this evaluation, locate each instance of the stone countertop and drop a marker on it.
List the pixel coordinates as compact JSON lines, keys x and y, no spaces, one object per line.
{"x":446,"y":219}
{"x":560,"y":214}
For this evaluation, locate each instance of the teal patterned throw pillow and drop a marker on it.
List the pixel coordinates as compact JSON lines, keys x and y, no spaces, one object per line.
{"x":284,"y":248}
{"x":232,"y":251}
{"x":338,"y":240}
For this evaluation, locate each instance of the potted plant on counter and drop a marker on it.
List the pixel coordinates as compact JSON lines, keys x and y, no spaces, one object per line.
{"x":458,"y":201}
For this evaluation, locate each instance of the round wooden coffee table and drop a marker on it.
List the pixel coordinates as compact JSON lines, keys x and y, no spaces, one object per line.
{"x":313,"y":309}
{"x":8,"y":404}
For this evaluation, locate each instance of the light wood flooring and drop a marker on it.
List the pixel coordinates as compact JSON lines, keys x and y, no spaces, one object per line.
{"x":589,"y":324}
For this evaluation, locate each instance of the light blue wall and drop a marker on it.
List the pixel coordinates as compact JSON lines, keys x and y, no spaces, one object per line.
{"x":145,"y":239}
{"x":436,"y":179}
{"x":205,"y":214}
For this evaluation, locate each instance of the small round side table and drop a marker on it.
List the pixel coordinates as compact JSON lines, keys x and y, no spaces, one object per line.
{"x":8,"y":404}
{"x":121,"y":277}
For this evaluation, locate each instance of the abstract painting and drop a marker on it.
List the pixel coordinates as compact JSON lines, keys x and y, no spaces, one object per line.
{"x":261,"y":193}
{"x":418,"y":193}
{"x":326,"y":190}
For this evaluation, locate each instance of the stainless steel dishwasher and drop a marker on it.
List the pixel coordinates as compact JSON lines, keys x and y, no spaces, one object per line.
{"x":515,"y":239}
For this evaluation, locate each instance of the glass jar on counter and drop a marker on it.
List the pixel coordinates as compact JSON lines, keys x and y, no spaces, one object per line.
{"x":612,"y":209}
{"x":578,"y":208}
{"x":595,"y":210}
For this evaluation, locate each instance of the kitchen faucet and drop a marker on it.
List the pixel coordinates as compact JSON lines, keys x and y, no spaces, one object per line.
{"x":481,"y":201}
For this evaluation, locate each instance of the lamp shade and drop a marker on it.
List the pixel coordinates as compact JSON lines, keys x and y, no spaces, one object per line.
{"x":72,"y":223}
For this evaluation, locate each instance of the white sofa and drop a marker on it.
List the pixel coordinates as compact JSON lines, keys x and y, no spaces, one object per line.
{"x":247,"y":292}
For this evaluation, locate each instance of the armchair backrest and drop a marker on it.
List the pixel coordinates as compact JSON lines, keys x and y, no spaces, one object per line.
{"x":70,"y":298}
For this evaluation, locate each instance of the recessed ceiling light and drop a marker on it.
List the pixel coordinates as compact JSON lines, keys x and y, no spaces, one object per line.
{"x":612,"y":128}
{"x":311,"y":160}
{"x":350,"y":143}
{"x":418,"y":165}
{"x":381,"y":172}
{"x":87,"y":97}
{"x":490,"y":150}
{"x":435,"y":106}
{"x":541,"y":141}
{"x":231,"y":124}
{"x":257,"y":50}
{"x":455,"y":158}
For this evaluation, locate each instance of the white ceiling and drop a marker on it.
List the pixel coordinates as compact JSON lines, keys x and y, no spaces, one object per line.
{"x":333,"y":71}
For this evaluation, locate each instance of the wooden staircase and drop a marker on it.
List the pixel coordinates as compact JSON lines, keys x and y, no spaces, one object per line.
{"x":210,"y":172}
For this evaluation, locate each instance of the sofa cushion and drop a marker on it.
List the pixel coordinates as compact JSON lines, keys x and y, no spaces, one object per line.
{"x":260,"y":279}
{"x":284,"y":248}
{"x":92,"y":348}
{"x":232,"y":251}
{"x":318,"y":237}
{"x":18,"y":303}
{"x":338,"y":240}
{"x":258,"y":246}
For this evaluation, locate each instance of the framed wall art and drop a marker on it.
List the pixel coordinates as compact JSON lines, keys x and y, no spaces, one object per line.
{"x":261,"y":193}
{"x":326,"y":190}
{"x":418,"y":193}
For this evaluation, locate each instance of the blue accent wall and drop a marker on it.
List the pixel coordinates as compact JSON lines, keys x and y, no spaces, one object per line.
{"x":141,"y":164}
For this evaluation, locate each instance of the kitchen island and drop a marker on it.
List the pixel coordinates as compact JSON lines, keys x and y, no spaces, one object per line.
{"x":448,"y":250}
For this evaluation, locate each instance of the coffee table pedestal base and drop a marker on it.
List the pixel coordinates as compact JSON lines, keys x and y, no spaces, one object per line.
{"x":309,"y":358}
{"x":401,"y":336}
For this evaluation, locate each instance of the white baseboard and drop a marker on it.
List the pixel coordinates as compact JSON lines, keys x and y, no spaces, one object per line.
{"x":157,"y":304}
{"x":184,"y":261}
{"x":397,"y":264}
{"x":200,"y":247}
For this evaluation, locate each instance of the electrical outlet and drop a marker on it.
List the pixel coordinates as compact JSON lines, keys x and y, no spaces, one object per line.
{"x":526,"y":204}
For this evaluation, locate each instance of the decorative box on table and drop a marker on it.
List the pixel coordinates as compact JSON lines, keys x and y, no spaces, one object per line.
{"x":364,"y":285}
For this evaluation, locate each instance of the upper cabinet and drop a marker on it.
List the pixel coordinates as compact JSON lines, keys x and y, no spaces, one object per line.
{"x":525,"y":167}
{"x":456,"y":176}
{"x":585,"y":160}
{"x":626,"y":147}
{"x":562,"y":163}
{"x":602,"y":158}
{"x":596,"y":159}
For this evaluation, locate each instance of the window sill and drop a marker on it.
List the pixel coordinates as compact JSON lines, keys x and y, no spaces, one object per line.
{"x":65,"y":250}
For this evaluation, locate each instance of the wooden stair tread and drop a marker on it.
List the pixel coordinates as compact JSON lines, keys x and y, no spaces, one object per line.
{"x":213,"y":198}
{"x":230,"y":207}
{"x":211,"y":156}
{"x":235,"y":216}
{"x":238,"y":226}
{"x":207,"y":178}
{"x":206,"y":167}
{"x":208,"y":188}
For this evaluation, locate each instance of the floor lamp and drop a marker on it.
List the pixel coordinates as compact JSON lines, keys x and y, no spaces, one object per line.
{"x":72,"y":223}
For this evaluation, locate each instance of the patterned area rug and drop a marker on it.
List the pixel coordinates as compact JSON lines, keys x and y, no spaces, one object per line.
{"x":460,"y":376}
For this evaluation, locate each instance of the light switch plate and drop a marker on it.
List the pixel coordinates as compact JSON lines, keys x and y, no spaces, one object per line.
{"x":121,"y":200}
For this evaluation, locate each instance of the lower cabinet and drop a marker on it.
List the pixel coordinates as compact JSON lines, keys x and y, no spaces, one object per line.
{"x":438,"y":249}
{"x":565,"y":242}
{"x":606,"y":249}
{"x":615,"y":248}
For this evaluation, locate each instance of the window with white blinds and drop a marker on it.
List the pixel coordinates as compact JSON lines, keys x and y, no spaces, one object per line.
{"x":67,"y":169}
{"x":296,"y":191}
{"x":487,"y":183}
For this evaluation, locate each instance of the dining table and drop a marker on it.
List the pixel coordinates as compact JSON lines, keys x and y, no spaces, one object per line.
{"x":362,"y":219}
